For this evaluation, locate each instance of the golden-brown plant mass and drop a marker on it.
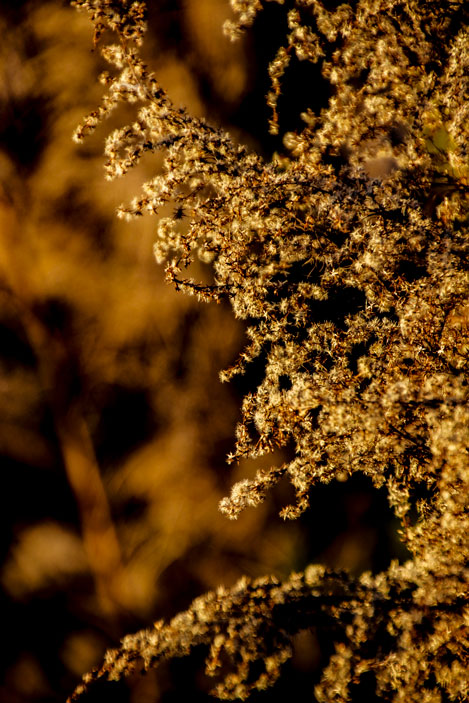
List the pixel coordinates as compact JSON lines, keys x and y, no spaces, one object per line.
{"x":347,"y":257}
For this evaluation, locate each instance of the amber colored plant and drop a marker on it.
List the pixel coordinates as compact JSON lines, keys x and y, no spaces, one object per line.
{"x":348,"y":258}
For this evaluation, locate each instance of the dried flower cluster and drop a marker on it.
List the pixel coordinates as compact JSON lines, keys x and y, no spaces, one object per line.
{"x":348,"y":259}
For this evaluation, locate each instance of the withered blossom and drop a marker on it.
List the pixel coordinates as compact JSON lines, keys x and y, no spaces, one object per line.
{"x":348,"y":260}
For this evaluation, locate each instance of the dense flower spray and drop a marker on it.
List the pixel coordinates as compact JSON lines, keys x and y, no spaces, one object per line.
{"x":348,"y":260}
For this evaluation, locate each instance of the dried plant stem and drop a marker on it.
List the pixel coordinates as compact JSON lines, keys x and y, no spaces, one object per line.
{"x":56,"y":378}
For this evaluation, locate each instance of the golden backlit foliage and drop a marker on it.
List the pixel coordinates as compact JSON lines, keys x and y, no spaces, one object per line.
{"x":347,"y":257}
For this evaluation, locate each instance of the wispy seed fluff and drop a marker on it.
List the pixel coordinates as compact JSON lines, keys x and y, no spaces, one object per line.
{"x":347,"y":256}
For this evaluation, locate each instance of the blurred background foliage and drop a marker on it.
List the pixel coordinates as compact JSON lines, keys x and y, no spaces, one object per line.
{"x":113,"y":425}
